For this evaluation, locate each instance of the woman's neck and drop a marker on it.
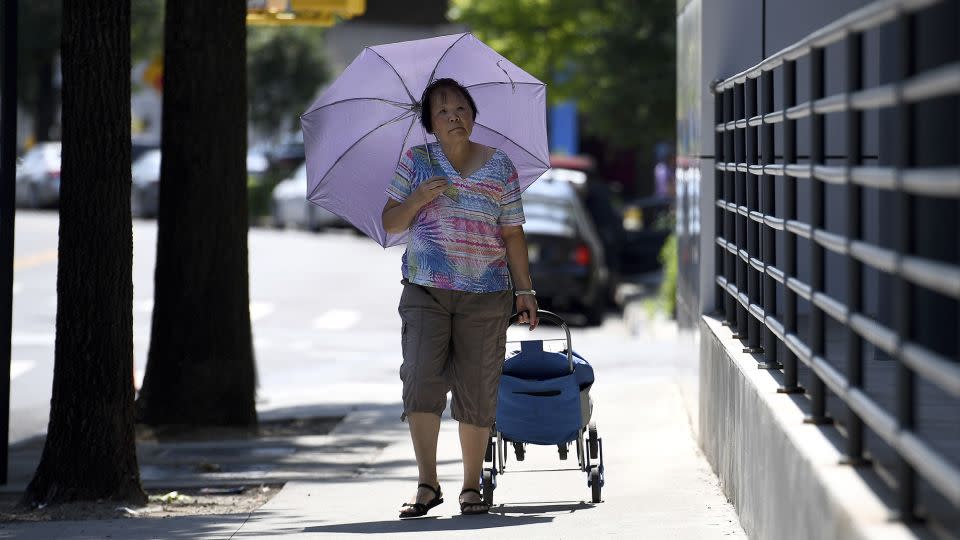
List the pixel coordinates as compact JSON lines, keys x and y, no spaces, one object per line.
{"x":458,"y":154}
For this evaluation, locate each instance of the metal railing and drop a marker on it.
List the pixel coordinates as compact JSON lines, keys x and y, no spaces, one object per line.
{"x":747,"y":223}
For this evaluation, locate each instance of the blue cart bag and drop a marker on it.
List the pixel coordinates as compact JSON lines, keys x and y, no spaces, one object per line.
{"x":540,"y":401}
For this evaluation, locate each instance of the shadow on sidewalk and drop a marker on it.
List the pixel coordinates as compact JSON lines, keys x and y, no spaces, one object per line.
{"x":431,"y":524}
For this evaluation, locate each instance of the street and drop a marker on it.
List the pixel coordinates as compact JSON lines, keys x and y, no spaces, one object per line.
{"x":323,"y":309}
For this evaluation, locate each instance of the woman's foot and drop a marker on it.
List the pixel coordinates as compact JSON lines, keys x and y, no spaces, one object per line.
{"x":426,"y":498}
{"x":471,"y":502}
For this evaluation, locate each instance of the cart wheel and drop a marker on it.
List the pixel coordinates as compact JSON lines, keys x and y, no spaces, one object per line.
{"x":488,"y":487}
{"x":595,"y":483}
{"x":488,"y":457}
{"x":562,"y":450}
{"x":593,"y":441}
{"x":519,"y":450}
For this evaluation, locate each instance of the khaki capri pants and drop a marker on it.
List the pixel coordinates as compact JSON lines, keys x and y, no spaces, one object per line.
{"x":453,"y":340}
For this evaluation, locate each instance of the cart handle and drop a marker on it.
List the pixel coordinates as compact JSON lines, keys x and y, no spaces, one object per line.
{"x":552,"y":317}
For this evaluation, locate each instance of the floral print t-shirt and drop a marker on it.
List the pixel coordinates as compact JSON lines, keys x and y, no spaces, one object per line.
{"x":455,"y":240}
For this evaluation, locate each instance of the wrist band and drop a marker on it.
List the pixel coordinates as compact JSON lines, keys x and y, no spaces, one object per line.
{"x":518,"y":292}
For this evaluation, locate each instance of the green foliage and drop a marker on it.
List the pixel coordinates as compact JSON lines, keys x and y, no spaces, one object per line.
{"x":668,"y":287}
{"x":285,"y":69}
{"x":146,"y":29}
{"x":616,"y":58}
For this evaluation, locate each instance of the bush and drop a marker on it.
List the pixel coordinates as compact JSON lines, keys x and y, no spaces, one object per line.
{"x":668,"y":287}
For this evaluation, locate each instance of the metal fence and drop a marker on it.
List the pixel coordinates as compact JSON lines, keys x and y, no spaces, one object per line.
{"x":750,"y":276}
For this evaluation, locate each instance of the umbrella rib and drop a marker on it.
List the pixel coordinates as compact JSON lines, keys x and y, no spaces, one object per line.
{"x":387,"y":101}
{"x":435,"y":66}
{"x":412,"y":99}
{"x":501,"y":82}
{"x":358,"y":141}
{"x":514,"y":143}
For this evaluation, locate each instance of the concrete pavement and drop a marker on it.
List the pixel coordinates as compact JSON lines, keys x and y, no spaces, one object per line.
{"x":351,"y":482}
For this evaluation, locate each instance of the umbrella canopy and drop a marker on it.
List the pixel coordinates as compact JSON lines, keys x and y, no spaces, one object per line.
{"x":358,"y":129}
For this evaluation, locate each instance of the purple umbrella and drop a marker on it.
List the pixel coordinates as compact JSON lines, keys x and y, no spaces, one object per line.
{"x":356,"y":132}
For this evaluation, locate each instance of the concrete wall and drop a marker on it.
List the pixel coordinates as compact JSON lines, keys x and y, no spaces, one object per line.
{"x":783,"y":476}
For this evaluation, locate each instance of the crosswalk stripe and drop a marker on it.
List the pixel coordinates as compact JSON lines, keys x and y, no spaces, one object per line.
{"x":336,"y":319}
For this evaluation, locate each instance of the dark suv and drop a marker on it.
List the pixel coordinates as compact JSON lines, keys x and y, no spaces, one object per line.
{"x":567,"y":262}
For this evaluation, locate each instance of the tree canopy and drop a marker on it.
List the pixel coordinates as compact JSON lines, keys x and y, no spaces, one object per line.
{"x":285,"y":68}
{"x":616,"y":58}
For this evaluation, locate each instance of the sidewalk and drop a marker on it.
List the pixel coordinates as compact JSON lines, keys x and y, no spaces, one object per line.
{"x":352,"y":481}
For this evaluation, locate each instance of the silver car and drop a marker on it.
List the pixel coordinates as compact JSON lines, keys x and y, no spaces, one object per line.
{"x":290,"y":205}
{"x":38,"y":176}
{"x":145,"y":189}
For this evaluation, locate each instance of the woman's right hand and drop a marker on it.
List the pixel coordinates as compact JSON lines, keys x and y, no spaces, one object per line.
{"x":430,"y":189}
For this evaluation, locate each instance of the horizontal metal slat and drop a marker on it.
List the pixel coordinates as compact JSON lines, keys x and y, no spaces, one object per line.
{"x":832,"y":241}
{"x":799,"y":228}
{"x":799,"y":111}
{"x":831,"y":306}
{"x":774,"y":117}
{"x":757,"y":312}
{"x":874,"y":98}
{"x":938,"y":276}
{"x":802,"y":289}
{"x":775,"y":170}
{"x":756,"y":216}
{"x":755,"y":170}
{"x":876,"y":256}
{"x":830,"y":104}
{"x":797,"y":171}
{"x":755,"y":121}
{"x":831,"y":174}
{"x":757,"y":264}
{"x":944,"y":475}
{"x":876,"y":333}
{"x":933,"y":367}
{"x":776,"y":274}
{"x":932,"y":182}
{"x":874,"y":177}
{"x":942,"y":81}
{"x":773,"y":222}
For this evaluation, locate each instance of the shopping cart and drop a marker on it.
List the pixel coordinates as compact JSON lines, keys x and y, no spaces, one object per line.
{"x":544,"y":399}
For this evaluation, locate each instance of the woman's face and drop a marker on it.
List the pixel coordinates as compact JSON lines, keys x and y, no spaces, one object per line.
{"x":452,"y":118}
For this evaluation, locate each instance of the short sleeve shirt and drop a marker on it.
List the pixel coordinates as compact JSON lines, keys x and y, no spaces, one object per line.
{"x":455,"y":241}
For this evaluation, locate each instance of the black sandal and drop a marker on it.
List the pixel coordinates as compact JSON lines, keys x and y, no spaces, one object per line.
{"x":463,"y":505}
{"x":421,"y":509}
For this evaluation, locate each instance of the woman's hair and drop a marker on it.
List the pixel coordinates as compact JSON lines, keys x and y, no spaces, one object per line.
{"x":426,"y":114}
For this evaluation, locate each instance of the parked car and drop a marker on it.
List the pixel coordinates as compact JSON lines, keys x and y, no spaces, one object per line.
{"x":290,"y":205}
{"x":647,"y":222}
{"x":38,"y":176}
{"x":145,"y":186}
{"x":567,"y":260}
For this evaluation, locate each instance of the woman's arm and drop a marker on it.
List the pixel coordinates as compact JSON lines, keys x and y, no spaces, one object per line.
{"x":519,"y":263}
{"x":397,"y":216}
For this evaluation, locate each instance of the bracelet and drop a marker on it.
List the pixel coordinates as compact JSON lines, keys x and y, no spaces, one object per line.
{"x":518,"y":292}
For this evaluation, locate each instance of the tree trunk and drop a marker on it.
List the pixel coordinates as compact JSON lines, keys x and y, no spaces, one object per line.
{"x":90,"y":450}
{"x":200,"y":367}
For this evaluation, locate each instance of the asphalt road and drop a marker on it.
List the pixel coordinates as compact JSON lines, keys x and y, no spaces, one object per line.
{"x":323,"y":308}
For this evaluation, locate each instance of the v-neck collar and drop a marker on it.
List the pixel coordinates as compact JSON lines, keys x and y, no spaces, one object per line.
{"x":451,"y":171}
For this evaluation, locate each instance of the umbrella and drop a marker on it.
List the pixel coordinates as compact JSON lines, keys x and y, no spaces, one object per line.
{"x":357,"y":130}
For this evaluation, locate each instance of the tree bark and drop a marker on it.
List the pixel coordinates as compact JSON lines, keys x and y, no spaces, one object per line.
{"x":200,"y":367}
{"x":90,"y":450}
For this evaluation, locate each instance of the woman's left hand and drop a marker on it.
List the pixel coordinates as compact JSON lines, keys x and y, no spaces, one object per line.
{"x":527,"y":309}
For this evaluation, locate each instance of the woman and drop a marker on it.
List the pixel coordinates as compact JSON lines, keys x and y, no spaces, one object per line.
{"x":460,"y":201}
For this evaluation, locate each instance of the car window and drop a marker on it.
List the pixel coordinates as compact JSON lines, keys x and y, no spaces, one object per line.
{"x":148,"y":164}
{"x":551,"y":210}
